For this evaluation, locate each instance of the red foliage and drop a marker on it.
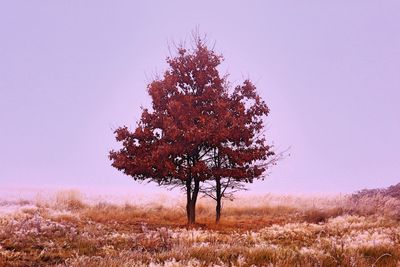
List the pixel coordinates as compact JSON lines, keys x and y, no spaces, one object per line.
{"x":194,"y":120}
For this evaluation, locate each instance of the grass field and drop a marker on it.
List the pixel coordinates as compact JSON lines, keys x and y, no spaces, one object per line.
{"x":67,"y":230}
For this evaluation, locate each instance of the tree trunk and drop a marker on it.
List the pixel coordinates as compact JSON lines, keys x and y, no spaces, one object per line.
{"x":218,"y":199}
{"x":188,"y":199}
{"x":193,"y":201}
{"x":192,"y":213}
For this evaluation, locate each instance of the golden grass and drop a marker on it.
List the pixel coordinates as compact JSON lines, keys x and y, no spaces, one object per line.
{"x":69,"y":199}
{"x":276,"y":231}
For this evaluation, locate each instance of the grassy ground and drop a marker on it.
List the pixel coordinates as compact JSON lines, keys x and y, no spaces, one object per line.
{"x":262,"y":231}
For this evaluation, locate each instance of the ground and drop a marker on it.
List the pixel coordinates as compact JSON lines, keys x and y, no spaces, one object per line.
{"x":68,"y":230}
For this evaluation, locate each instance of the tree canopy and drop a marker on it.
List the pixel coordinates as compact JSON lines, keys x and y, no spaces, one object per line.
{"x":198,"y":128}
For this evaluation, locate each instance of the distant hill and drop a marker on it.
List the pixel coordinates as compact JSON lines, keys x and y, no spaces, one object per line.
{"x":391,"y":191}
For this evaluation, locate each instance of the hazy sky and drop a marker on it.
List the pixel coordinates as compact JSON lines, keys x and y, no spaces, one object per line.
{"x":72,"y":71}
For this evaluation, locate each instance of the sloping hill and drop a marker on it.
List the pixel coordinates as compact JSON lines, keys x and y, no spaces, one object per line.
{"x":391,"y":191}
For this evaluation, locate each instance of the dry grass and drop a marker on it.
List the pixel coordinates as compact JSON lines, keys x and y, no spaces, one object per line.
{"x":261,"y":231}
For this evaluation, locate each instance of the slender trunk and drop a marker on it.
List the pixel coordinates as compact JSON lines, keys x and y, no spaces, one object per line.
{"x":192,"y":215}
{"x":192,"y":219}
{"x":218,"y":199}
{"x":188,"y":199}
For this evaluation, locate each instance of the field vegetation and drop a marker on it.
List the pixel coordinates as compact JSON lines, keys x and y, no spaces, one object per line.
{"x":358,"y":230}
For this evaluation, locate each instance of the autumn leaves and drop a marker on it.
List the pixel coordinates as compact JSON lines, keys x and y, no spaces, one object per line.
{"x":198,"y":133}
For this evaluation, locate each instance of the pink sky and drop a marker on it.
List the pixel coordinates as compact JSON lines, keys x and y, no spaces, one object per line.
{"x":71,"y":71}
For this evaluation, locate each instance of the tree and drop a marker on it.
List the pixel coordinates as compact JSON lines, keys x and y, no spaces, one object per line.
{"x":227,"y":187}
{"x":241,"y":154}
{"x":196,"y":130}
{"x":224,"y":187}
